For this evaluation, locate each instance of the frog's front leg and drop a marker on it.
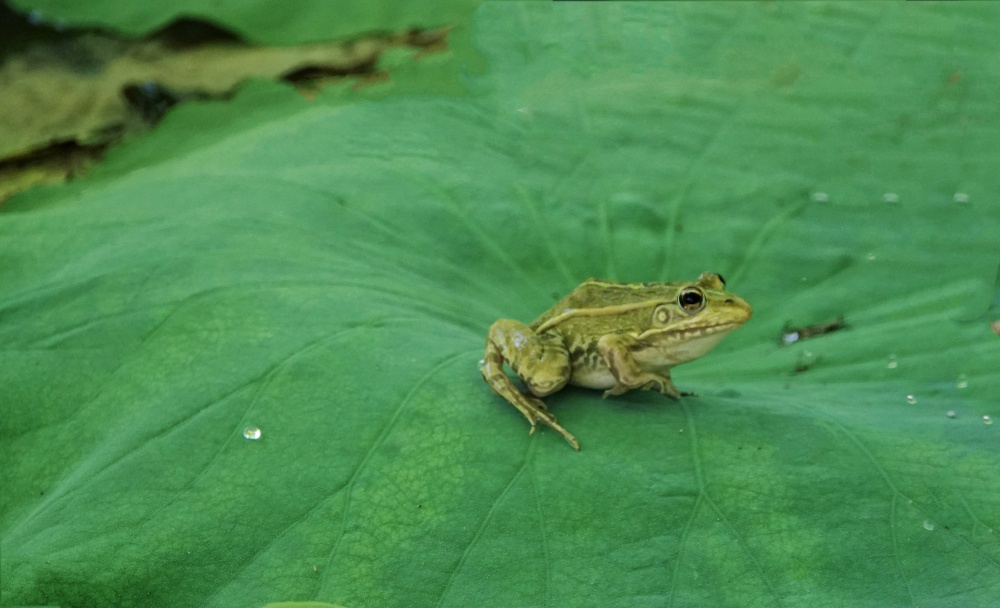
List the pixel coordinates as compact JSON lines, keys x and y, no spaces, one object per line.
{"x":541,"y":362}
{"x":617,"y":353}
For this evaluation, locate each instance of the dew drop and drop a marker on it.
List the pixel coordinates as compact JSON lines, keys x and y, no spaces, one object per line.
{"x":820,"y":197}
{"x":790,"y":337}
{"x":892,"y":363}
{"x":962,"y":381}
{"x":961,"y":197}
{"x":911,"y":399}
{"x":482,"y":362}
{"x":890,"y":197}
{"x":252,"y":433}
{"x":987,"y":420}
{"x":928,"y":525}
{"x":951,"y":414}
{"x":870,"y":257}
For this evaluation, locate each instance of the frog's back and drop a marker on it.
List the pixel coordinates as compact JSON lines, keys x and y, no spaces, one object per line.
{"x":596,"y":294}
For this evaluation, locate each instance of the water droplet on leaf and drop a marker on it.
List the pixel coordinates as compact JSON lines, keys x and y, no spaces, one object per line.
{"x":911,"y":399}
{"x":251,"y":432}
{"x":892,"y":363}
{"x":962,"y":381}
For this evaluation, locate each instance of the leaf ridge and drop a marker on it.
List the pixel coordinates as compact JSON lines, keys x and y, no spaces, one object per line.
{"x":703,"y":493}
{"x":349,"y":485}
{"x":486,"y":520}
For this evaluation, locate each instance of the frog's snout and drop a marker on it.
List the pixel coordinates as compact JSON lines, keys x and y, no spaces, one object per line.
{"x":741,"y":304}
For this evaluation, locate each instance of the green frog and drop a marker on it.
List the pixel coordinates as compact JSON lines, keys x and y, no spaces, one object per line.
{"x":613,"y":336}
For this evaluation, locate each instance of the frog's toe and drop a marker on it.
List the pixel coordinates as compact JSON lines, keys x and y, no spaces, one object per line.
{"x":550,"y":421}
{"x":618,"y":389}
{"x":572,"y":441}
{"x":566,"y":434}
{"x":671,"y":392}
{"x":653,"y":385}
{"x":663,"y":385}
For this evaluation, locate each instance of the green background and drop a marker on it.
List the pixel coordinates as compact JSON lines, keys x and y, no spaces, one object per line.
{"x":326,"y":272}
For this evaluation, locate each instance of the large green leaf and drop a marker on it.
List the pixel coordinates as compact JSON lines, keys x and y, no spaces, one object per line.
{"x":326,"y":273}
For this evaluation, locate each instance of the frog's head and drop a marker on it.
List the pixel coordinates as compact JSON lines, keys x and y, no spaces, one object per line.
{"x":694,"y":318}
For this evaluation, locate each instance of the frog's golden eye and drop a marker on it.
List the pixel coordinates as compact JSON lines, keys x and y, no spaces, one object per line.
{"x":691,"y":299}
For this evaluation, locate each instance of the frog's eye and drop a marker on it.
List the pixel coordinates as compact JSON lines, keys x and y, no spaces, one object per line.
{"x":691,"y":299}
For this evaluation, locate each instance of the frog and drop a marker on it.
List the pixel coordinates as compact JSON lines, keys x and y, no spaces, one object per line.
{"x":610,"y":336}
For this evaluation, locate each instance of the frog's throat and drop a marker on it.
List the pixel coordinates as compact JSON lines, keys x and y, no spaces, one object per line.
{"x":597,"y":312}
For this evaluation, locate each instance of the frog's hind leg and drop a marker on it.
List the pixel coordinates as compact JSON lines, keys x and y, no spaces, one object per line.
{"x":541,"y":362}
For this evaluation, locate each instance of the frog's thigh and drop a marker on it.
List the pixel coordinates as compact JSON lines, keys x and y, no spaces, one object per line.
{"x":541,"y":362}
{"x":615,"y":350}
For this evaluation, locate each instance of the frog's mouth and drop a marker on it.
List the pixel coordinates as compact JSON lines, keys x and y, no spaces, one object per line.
{"x":694,"y":332}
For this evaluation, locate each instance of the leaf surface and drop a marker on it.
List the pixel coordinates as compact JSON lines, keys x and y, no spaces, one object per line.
{"x":326,"y":272}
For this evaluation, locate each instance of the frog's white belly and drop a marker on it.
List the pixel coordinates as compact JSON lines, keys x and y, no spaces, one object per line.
{"x":656,"y":359}
{"x":593,"y":378}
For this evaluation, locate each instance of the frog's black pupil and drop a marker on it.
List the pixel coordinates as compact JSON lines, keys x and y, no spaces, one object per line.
{"x":690,"y":298}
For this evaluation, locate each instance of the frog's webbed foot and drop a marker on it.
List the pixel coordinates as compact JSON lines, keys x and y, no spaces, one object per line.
{"x":666,"y":387}
{"x":648,"y":382}
{"x":535,"y":411}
